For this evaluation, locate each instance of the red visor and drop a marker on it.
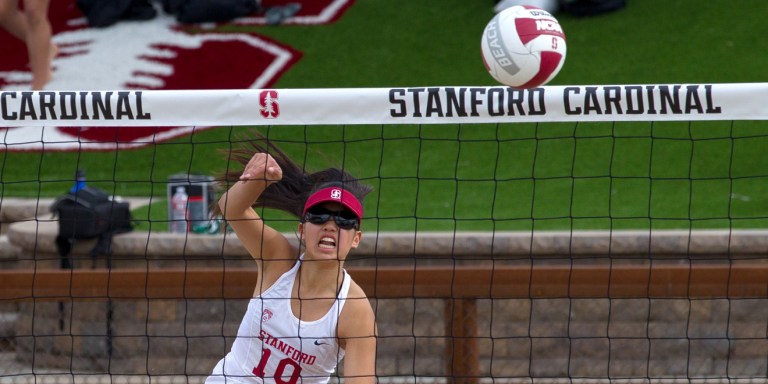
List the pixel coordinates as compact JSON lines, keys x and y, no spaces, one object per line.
{"x":337,"y":195}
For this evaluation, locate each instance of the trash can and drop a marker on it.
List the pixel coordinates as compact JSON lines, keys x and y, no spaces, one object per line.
{"x":201,"y":194}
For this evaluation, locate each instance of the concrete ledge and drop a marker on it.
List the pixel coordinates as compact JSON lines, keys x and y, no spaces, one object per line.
{"x":40,"y":237}
{"x":13,"y":209}
{"x":34,"y":228}
{"x":8,"y":251}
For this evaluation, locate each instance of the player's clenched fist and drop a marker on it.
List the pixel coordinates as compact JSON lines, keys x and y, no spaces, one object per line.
{"x":262,"y":166}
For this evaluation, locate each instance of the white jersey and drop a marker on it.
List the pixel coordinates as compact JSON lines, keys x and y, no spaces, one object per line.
{"x":273,"y":345}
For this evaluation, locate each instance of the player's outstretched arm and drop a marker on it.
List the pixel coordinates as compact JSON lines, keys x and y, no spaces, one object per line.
{"x":260,"y":240}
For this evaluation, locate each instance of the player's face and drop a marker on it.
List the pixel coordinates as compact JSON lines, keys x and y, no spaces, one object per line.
{"x":329,"y":232}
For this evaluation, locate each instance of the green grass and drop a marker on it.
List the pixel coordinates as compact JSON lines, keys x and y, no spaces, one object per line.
{"x":508,"y":177}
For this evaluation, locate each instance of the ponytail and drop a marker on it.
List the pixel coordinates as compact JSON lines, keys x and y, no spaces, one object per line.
{"x":292,"y":191}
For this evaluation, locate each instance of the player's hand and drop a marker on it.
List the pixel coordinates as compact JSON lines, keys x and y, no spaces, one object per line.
{"x":262,"y":166}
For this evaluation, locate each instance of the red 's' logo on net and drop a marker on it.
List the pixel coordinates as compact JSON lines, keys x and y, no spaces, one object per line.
{"x":268,"y":105}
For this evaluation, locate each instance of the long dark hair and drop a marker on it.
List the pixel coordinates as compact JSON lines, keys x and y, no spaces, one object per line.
{"x":292,"y":191}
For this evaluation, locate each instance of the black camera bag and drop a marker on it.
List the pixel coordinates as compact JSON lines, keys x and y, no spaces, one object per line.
{"x":90,"y":213}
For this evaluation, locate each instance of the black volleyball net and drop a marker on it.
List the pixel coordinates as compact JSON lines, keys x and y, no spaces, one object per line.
{"x":561,"y":234}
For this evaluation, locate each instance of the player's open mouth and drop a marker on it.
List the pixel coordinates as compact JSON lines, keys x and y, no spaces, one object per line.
{"x":327,"y":242}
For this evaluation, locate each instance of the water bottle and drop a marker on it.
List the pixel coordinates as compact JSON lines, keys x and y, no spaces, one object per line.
{"x":179,"y":211}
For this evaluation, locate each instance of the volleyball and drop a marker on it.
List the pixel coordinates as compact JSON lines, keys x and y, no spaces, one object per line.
{"x":523,"y":47}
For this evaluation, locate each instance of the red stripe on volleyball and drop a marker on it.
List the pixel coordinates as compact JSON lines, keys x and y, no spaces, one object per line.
{"x":548,"y":65}
{"x":487,"y":67}
{"x":529,"y":29}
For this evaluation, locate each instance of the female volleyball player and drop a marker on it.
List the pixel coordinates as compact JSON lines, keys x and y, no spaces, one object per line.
{"x":306,"y":314}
